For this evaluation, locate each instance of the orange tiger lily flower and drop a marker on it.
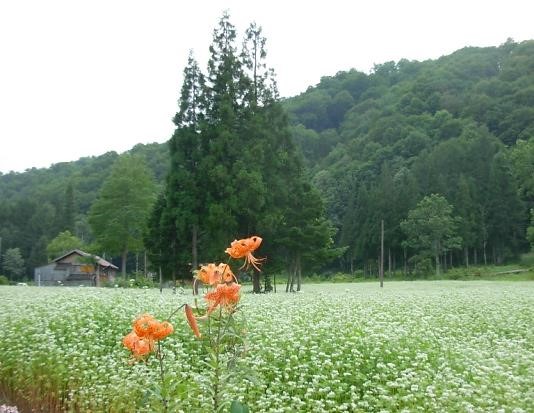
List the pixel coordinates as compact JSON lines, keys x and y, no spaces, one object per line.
{"x":227,"y":275}
{"x":225,"y":295}
{"x":137,"y":345}
{"x":145,"y":325}
{"x":208,"y":274}
{"x":244,"y":248}
{"x":130,"y":340}
{"x":142,"y":347}
{"x":192,"y":320}
{"x":162,"y":330}
{"x":214,"y":274}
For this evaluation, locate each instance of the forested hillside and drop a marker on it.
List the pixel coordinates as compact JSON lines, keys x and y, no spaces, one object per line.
{"x":38,"y":204}
{"x":376,"y":146}
{"x":461,"y":126}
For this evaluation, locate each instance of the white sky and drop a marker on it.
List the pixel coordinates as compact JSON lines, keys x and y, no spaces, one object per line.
{"x":80,"y":78}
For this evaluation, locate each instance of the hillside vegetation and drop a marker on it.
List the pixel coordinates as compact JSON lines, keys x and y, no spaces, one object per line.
{"x":376,"y":146}
{"x":461,"y":126}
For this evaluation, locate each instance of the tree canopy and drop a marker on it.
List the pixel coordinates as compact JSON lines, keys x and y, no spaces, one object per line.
{"x":62,"y":243}
{"x":372,"y":146}
{"x":233,"y":164}
{"x":431,"y":228}
{"x":119,"y":215}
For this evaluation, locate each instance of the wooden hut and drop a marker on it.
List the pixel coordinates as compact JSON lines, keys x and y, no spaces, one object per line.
{"x":74,"y":268}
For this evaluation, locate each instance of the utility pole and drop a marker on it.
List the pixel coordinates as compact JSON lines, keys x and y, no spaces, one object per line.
{"x":382,"y":255}
{"x":144,"y":266}
{"x":160,"y":281}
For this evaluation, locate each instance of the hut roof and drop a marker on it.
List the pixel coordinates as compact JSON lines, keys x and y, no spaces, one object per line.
{"x":101,"y":261}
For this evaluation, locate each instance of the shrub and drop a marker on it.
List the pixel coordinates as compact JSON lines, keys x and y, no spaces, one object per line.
{"x":4,"y":280}
{"x":527,"y":260}
{"x":422,"y":266}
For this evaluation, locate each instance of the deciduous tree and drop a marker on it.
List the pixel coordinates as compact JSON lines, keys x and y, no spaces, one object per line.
{"x":119,"y":216}
{"x":62,"y":243}
{"x":431,"y":227}
{"x":13,"y":263}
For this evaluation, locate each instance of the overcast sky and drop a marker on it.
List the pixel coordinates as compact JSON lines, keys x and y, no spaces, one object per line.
{"x":80,"y":78}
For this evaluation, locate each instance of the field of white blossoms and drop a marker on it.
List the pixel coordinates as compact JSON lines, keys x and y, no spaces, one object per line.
{"x":412,"y":346}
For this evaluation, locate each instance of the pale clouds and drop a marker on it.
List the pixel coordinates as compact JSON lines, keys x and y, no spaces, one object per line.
{"x":81,"y":78}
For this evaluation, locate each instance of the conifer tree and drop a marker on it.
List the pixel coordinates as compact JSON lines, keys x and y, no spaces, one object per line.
{"x":221,"y":144}
{"x":262,"y":88}
{"x":174,"y":224}
{"x":68,"y":209}
{"x":234,"y":167}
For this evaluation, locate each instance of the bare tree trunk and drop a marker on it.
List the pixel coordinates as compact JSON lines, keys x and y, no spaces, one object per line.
{"x":299,"y":273}
{"x":145,"y":265}
{"x":194,"y":255}
{"x":292,"y":275}
{"x":405,"y":258}
{"x":174,"y":265}
{"x":160,"y":280}
{"x":484,"y":250}
{"x":256,"y":285}
{"x":475,"y":256}
{"x":389,"y":262}
{"x":466,"y":255}
{"x":123,"y":262}
{"x":194,"y":248}
{"x":289,"y":276}
{"x":381,"y":270}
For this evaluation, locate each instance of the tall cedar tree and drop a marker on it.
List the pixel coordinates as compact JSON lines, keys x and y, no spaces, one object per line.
{"x":184,"y":193}
{"x":233,"y":165}
{"x":222,"y":144}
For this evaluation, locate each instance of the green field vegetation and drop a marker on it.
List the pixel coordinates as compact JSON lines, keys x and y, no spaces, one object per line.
{"x":411,"y":346}
{"x":523,"y":270}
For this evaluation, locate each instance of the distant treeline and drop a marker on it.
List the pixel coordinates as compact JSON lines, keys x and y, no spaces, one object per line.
{"x":375,"y":145}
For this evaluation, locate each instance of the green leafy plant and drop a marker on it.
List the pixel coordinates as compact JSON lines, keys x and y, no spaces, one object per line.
{"x":221,"y":335}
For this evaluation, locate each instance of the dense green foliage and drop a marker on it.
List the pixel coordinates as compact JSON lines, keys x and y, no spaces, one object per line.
{"x":35,"y":203}
{"x":430,"y":228}
{"x":234,"y":170}
{"x":13,"y":263}
{"x":376,"y":144}
{"x":461,"y":126}
{"x":63,"y":243}
{"x":119,"y":215}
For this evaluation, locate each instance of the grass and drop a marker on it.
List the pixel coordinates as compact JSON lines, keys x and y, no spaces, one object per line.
{"x":411,"y":346}
{"x":507,"y":272}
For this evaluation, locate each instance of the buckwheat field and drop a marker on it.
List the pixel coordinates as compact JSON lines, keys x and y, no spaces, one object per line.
{"x":411,"y":346}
